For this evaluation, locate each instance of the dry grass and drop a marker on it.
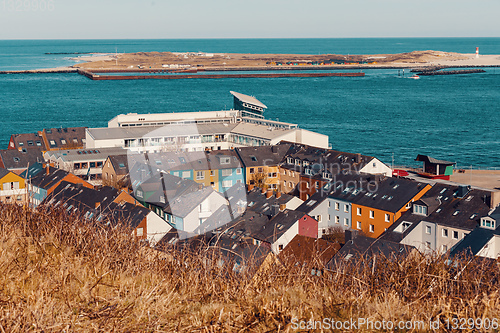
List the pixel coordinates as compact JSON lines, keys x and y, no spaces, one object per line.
{"x":60,"y":273}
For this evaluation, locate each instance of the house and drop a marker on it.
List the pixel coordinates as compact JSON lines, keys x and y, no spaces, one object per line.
{"x":359,"y":249}
{"x":183,"y":203}
{"x":42,"y":183}
{"x":25,"y":141}
{"x":483,"y":241}
{"x":18,"y":160}
{"x":315,"y":167}
{"x":308,"y":252}
{"x":63,"y":138}
{"x":84,"y":163}
{"x":362,"y":202}
{"x":434,"y":168}
{"x":441,"y":218}
{"x":107,"y":206}
{"x":12,"y":187}
{"x":261,"y":164}
{"x":114,"y":169}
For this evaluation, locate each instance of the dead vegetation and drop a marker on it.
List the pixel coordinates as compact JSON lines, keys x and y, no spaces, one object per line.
{"x":63,"y":273}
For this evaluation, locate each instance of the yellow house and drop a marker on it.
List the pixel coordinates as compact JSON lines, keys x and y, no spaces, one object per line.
{"x":262,"y":165}
{"x":12,"y":187}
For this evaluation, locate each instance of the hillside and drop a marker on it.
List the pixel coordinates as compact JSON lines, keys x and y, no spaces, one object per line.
{"x":60,"y":273}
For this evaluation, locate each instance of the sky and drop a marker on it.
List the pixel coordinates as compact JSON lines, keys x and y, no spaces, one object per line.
{"x":131,"y":19}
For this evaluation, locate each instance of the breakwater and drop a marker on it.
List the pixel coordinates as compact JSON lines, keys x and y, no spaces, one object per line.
{"x":453,"y":72}
{"x":98,"y":77}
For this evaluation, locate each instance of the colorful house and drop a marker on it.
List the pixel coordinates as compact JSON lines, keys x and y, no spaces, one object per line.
{"x":12,"y":187}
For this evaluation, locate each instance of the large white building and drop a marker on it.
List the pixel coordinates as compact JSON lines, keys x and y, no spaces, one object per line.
{"x":198,"y":131}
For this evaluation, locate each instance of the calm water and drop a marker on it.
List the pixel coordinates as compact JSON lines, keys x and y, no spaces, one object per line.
{"x":449,"y":117}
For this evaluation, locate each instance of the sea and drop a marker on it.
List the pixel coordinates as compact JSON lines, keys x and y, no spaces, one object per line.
{"x":383,"y":114}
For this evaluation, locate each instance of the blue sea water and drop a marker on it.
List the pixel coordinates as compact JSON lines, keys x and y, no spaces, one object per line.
{"x":452,"y":117}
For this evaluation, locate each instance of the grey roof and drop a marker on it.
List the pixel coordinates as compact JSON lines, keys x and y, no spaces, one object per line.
{"x":425,"y":158}
{"x":120,"y":163}
{"x":263,"y":155}
{"x":3,"y":172}
{"x":159,"y":131}
{"x":248,"y":99}
{"x":33,"y":170}
{"x":14,"y":159}
{"x":463,"y":213}
{"x":260,"y":131}
{"x":84,"y":154}
{"x":473,"y":242}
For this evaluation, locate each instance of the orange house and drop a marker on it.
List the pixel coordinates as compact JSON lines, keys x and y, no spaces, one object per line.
{"x":376,"y":211}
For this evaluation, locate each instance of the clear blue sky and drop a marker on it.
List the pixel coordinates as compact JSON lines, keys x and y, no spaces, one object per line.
{"x":92,"y":19}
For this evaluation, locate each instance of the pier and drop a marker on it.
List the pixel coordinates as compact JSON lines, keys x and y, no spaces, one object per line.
{"x":98,"y":77}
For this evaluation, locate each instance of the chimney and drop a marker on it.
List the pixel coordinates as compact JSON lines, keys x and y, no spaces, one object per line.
{"x":47,"y":168}
{"x":200,"y":186}
{"x":350,"y":235}
{"x":269,"y":194}
{"x":358,"y":158}
{"x":282,"y":207}
{"x":275,"y":209}
{"x":495,"y":199}
{"x":250,"y":187}
{"x":278,"y":194}
{"x":97,"y":204}
{"x":263,"y":190}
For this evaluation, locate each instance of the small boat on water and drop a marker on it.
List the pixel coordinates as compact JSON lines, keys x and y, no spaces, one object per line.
{"x":415,"y":77}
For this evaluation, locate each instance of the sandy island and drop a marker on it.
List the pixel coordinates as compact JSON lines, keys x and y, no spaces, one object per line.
{"x":235,"y":61}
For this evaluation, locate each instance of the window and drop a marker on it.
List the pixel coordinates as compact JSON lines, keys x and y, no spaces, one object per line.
{"x":317,"y":184}
{"x":445,"y":232}
{"x":185,"y":174}
{"x":52,"y":142}
{"x":238,"y":171}
{"x":428,"y":229}
{"x":307,"y":185}
{"x":337,"y":219}
{"x":140,"y":232}
{"x":359,"y":225}
{"x":63,"y":141}
{"x":346,"y":208}
{"x":252,"y":170}
{"x":420,"y":210}
{"x":260,"y":170}
{"x":428,"y":244}
{"x":227,"y":172}
{"x":227,"y":183}
{"x":253,"y":158}
{"x":337,"y":206}
{"x":212,"y":172}
{"x":455,"y":235}
{"x":387,"y":218}
{"x":318,"y":218}
{"x":358,"y":211}
{"x":225,"y":160}
{"x":372,"y":214}
{"x":200,"y":175}
{"x":139,"y":194}
{"x":372,"y":228}
{"x":38,"y":143}
{"x":346,"y":221}
{"x":30,"y":143}
{"x":444,"y":248}
{"x":272,"y":175}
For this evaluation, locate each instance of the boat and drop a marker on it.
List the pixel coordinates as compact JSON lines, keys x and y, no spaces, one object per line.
{"x":415,"y":76}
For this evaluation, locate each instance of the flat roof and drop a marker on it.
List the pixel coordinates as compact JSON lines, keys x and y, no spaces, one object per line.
{"x":259,"y":131}
{"x":171,"y":116}
{"x":85,"y":154}
{"x":105,"y":133}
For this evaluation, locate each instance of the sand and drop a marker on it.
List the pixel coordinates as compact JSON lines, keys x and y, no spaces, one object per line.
{"x":166,"y":60}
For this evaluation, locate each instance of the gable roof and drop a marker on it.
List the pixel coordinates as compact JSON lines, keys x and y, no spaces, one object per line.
{"x":303,"y":249}
{"x":14,"y":159}
{"x":428,"y":159}
{"x":263,"y":155}
{"x":73,"y":136}
{"x":119,"y":163}
{"x":27,"y":141}
{"x":48,"y":180}
{"x":473,"y":242}
{"x":4,"y":172}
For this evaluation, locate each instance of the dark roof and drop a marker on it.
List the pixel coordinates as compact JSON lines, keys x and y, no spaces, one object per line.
{"x":384,"y":193}
{"x":47,"y":180}
{"x":360,"y":247}
{"x":68,"y":134}
{"x":263,"y":155}
{"x":473,"y":242}
{"x":324,"y":160}
{"x":428,"y":159}
{"x":453,"y":211}
{"x":13,"y":159}
{"x":304,"y":249}
{"x":27,"y":141}
{"x":3,"y":172}
{"x":258,"y":201}
{"x":83,"y":198}
{"x":33,"y":170}
{"x":120,"y":163}
{"x":278,"y":225}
